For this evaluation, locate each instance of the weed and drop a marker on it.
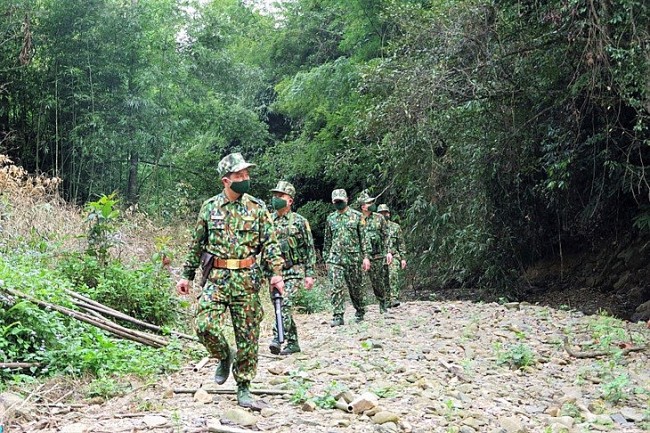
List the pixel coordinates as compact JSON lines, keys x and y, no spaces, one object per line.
{"x":614,"y":391}
{"x":517,"y":356}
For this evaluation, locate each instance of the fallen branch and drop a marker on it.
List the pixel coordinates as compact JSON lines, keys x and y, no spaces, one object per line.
{"x":89,"y":304}
{"x":107,"y":325}
{"x":225,"y":429}
{"x":597,"y":353}
{"x":199,"y":365}
{"x":19,"y":365}
{"x":231,"y":391}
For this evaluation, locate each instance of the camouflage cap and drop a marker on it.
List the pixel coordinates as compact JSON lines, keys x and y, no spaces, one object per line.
{"x":232,"y":163}
{"x":383,"y":208}
{"x":364,"y":197}
{"x":285,"y":187}
{"x":339,"y":194}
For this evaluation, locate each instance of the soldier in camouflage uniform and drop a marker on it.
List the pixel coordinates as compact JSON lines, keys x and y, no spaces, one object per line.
{"x":375,"y":230}
{"x":297,"y":246}
{"x":397,"y":248}
{"x":235,"y":227}
{"x":345,"y":253}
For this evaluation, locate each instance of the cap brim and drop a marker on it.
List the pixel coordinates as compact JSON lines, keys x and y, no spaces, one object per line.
{"x":242,"y":166}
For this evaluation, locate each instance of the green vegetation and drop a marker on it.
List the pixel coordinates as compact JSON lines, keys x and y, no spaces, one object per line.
{"x":518,"y":355}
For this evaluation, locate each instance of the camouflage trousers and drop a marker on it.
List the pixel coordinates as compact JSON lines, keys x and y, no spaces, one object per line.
{"x":377,"y":274}
{"x":291,"y":289}
{"x":235,"y":291}
{"x":393,"y":280}
{"x":340,"y":277}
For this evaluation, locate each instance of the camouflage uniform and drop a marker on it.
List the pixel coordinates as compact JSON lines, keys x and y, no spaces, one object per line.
{"x":297,"y":246}
{"x":344,"y":248}
{"x":375,"y":231}
{"x":397,"y":248}
{"x":233,"y":230}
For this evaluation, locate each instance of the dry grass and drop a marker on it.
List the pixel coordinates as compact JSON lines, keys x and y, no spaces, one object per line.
{"x":32,"y":211}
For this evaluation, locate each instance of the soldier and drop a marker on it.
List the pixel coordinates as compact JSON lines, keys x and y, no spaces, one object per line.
{"x":234,"y":227}
{"x":397,"y":248}
{"x":344,"y":251}
{"x":376,"y":232}
{"x":297,"y":246}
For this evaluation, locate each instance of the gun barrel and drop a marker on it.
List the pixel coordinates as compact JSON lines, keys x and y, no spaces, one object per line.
{"x":277,"y":305}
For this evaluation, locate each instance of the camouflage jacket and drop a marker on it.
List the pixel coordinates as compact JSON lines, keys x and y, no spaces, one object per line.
{"x":296,"y":243}
{"x":375,"y":230}
{"x":344,"y":241}
{"x":234,"y":230}
{"x":396,"y":244}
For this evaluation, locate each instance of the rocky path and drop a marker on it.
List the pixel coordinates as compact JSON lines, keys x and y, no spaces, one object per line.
{"x":424,"y":367}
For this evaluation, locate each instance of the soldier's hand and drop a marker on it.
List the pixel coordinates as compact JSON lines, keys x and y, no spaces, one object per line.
{"x":403,"y":264}
{"x":366,"y":264}
{"x":389,"y":258}
{"x":278,"y":283}
{"x":183,"y":287}
{"x":309,"y":283}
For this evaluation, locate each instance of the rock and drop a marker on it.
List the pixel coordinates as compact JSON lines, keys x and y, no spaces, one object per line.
{"x":13,"y":405}
{"x":168,"y":393}
{"x":389,"y":427}
{"x":631,"y":414}
{"x":565,"y":421}
{"x":276,"y":369}
{"x":308,"y":406}
{"x":240,"y":417}
{"x":466,"y":429}
{"x":153,"y":421}
{"x":512,"y":305}
{"x":364,"y":402}
{"x":512,"y":424}
{"x":559,"y":428}
{"x":554,"y":411}
{"x":278,"y":380}
{"x":268,"y":412}
{"x":406,"y":427}
{"x":385,"y":416}
{"x":641,"y":313}
{"x":620,"y":419}
{"x":75,"y":428}
{"x":202,"y":396}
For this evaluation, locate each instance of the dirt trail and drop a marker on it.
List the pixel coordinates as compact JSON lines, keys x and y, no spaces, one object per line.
{"x":433,"y":366}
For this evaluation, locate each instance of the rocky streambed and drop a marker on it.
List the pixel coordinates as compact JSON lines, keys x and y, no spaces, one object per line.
{"x":423,"y":367}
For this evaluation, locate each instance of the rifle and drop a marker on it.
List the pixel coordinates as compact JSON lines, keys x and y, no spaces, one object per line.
{"x":277,"y":305}
{"x":206,"y":266}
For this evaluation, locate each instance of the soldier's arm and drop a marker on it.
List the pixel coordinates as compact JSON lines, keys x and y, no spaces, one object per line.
{"x":310,"y":253}
{"x":327,"y":239}
{"x":364,"y":240}
{"x":270,"y":248}
{"x":385,"y":236}
{"x":197,"y":244}
{"x":401,"y":245}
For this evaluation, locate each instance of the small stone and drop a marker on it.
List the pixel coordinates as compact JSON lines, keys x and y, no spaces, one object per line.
{"x":620,"y":419}
{"x":512,"y":305}
{"x":268,"y":412}
{"x":308,"y":406}
{"x":75,"y":428}
{"x":466,"y":429}
{"x":278,"y":380}
{"x":565,"y":421}
{"x":631,"y":414}
{"x":202,"y":396}
{"x":276,"y":369}
{"x":512,"y":424}
{"x":153,"y":421}
{"x":168,"y":393}
{"x":240,"y":417}
{"x":343,"y":423}
{"x":389,"y":427}
{"x":384,"y":417}
{"x":553,"y":411}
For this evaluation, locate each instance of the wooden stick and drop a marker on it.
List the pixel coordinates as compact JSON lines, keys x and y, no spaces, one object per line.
{"x":199,"y":365}
{"x":85,"y":302}
{"x":226,"y":429}
{"x":231,"y":391}
{"x":596,"y":353}
{"x":18,"y":365}
{"x":106,"y":325}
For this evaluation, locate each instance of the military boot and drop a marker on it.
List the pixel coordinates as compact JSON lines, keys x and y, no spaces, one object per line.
{"x":244,"y":396}
{"x":336,"y":321}
{"x":275,"y":347}
{"x":382,"y":307}
{"x":223,"y":368}
{"x":359,"y":316}
{"x":292,"y":347}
